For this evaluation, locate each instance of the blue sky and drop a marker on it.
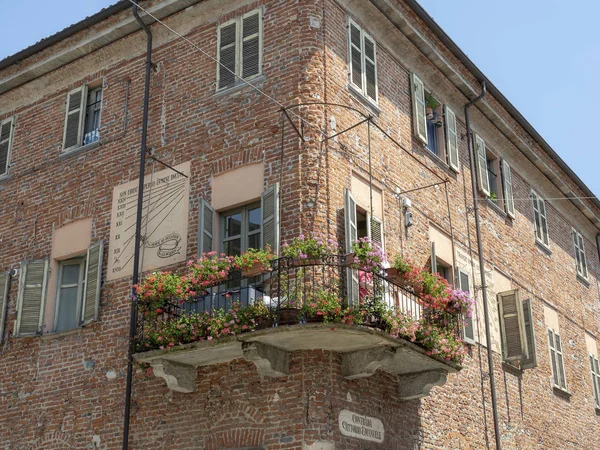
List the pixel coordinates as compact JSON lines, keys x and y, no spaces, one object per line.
{"x":544,"y":55}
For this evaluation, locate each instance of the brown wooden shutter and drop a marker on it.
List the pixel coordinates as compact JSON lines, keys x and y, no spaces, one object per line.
{"x":6,"y":128}
{"x":75,"y":113}
{"x":512,"y":326}
{"x":530,"y":361}
{"x":270,"y":218}
{"x":93,"y":282}
{"x":226,"y":67}
{"x":206,"y":220}
{"x":251,"y":45}
{"x":32,"y":297}
{"x":4,"y":287}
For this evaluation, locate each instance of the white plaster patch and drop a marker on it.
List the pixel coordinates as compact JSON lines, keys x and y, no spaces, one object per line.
{"x":111,"y":374}
{"x":348,"y":397}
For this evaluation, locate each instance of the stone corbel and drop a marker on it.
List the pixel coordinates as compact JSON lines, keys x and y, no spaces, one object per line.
{"x":179,"y":377}
{"x":417,"y":385}
{"x":364,"y":363}
{"x":270,"y":361}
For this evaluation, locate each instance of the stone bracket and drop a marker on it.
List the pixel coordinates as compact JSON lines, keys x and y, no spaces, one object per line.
{"x":364,"y":363}
{"x":417,"y":385}
{"x":179,"y":377}
{"x":270,"y":361}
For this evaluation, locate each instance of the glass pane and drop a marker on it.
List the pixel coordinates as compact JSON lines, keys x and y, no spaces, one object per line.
{"x":233,"y":225}
{"x":254,"y":241}
{"x":254,"y":220}
{"x":67,"y":309}
{"x":233,"y":247}
{"x":70,"y":274}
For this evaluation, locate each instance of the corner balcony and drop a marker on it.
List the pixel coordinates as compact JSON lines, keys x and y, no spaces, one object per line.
{"x":177,"y":339}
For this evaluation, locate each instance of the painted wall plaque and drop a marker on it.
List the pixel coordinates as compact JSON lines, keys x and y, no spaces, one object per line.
{"x":164,"y":222}
{"x":361,"y":427}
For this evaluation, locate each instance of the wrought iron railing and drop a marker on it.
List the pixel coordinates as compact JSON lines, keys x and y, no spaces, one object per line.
{"x":291,"y":283}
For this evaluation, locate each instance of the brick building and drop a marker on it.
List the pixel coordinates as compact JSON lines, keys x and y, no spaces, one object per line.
{"x":385,"y":77}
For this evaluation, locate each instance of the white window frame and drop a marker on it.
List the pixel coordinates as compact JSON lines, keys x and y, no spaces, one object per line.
{"x":580,"y":260}
{"x":244,"y":210}
{"x":81,"y":261}
{"x":536,"y":201}
{"x":362,"y":90}
{"x":239,"y":45}
{"x":556,"y":355}
{"x":10,"y":144}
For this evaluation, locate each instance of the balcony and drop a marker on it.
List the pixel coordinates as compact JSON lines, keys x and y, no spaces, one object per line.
{"x":368,"y":318}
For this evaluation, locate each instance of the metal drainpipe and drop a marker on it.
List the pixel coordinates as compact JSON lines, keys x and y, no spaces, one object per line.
{"x":138,"y":228}
{"x":482,"y":265}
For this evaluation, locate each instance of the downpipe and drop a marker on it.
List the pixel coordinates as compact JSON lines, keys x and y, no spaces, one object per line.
{"x":486,"y":312}
{"x":138,"y":229}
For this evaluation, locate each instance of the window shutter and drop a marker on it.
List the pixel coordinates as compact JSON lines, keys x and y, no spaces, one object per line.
{"x":74,"y":118}
{"x":512,"y":326}
{"x":4,"y":286}
{"x":595,"y":369}
{"x":582,"y":253}
{"x":226,"y":66}
{"x":93,"y":282}
{"x":482,"y":176}
{"x":530,"y":361}
{"x":553,"y":358}
{"x":206,"y":225}
{"x":355,"y":56}
{"x":270,"y":218}
{"x":559,"y":361}
{"x":468,"y":332}
{"x":419,"y":116}
{"x":536,"y":216}
{"x":579,"y":253}
{"x":543,"y":221}
{"x":509,"y":203}
{"x":5,"y":145}
{"x":376,"y":231}
{"x":370,"y":68}
{"x":32,"y":297}
{"x":251,"y":45}
{"x":352,"y":284}
{"x":451,"y":138}
{"x":433,"y":259}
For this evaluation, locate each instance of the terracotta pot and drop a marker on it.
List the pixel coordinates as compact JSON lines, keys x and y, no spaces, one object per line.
{"x":264,"y":322}
{"x":296,"y":262}
{"x":289,"y":316}
{"x":256,"y":269}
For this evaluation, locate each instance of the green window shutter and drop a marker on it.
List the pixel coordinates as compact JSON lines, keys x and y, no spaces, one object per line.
{"x":6,"y":134}
{"x":419,"y":115}
{"x":543,"y":221}
{"x":370,"y":68}
{"x":251,"y":44}
{"x":468,"y":331}
{"x":536,"y":216}
{"x":355,"y":56}
{"x":352,"y":285}
{"x":582,"y":256}
{"x":4,"y":287}
{"x":560,"y":361}
{"x":227,"y":53}
{"x":93,"y":283}
{"x":514,"y":343}
{"x":32,"y":297}
{"x":74,"y":118}
{"x":270,"y":218}
{"x":481,"y":158}
{"x":376,"y":230}
{"x":451,"y":138}
{"x":553,"y":360}
{"x":509,"y":203}
{"x":433,"y":258}
{"x":206,"y":223}
{"x":595,"y":370}
{"x":530,"y":361}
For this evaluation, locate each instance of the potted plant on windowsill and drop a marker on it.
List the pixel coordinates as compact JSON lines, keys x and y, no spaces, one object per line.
{"x":431,"y":104}
{"x":366,"y":255}
{"x":255,"y":261}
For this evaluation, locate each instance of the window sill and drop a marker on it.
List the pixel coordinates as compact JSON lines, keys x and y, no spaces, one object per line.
{"x":561,"y":392}
{"x":583,"y":280}
{"x":365,"y":100}
{"x":259,"y":79}
{"x":597,"y":409}
{"x":58,"y":334}
{"x":493,"y":205}
{"x":5,"y":177}
{"x":508,"y":367}
{"x":82,"y":149}
{"x":437,"y":160}
{"x":543,"y":247}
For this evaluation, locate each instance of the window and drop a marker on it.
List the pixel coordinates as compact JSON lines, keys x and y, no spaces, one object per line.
{"x":6,"y":135}
{"x":69,"y":296}
{"x":516,"y":329}
{"x":240,"y":229}
{"x":539,"y":218}
{"x":362,"y":60}
{"x":556,"y":359}
{"x":82,"y":117}
{"x":494,"y":177}
{"x":595,"y":370}
{"x":240,"y":49}
{"x":580,"y":260}
{"x":434,"y":124}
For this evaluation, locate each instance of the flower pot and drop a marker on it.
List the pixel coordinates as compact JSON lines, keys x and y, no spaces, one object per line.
{"x":264,"y":322}
{"x":256,"y":269}
{"x":297,"y":262}
{"x":289,"y":316}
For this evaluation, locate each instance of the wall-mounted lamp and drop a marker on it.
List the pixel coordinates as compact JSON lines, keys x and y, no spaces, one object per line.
{"x":408,"y":217}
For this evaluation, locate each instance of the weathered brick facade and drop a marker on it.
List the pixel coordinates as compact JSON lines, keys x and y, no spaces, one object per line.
{"x":66,"y":390}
